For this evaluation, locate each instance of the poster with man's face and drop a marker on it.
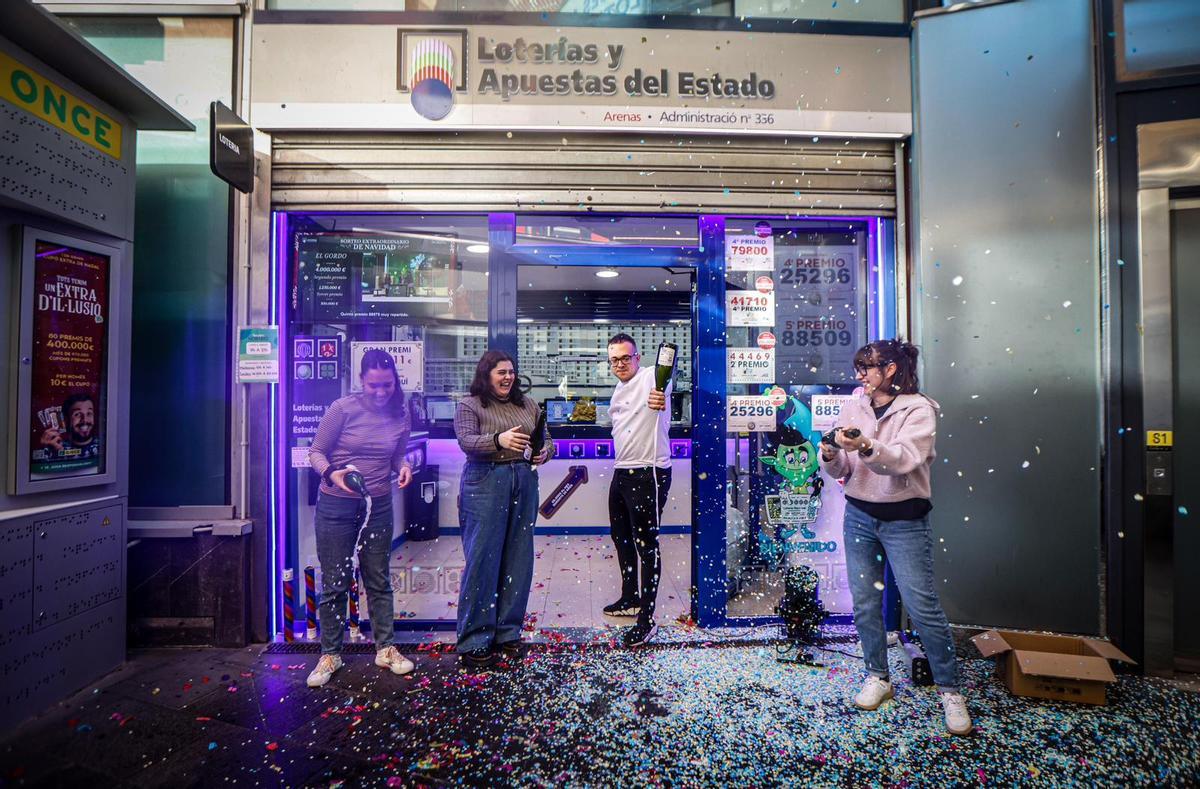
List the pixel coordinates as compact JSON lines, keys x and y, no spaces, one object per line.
{"x":70,"y":341}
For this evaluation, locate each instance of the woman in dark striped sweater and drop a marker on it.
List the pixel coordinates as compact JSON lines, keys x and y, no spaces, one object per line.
{"x":499,"y":499}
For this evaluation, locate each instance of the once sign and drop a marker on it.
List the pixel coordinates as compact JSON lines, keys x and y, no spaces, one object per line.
{"x":25,"y":88}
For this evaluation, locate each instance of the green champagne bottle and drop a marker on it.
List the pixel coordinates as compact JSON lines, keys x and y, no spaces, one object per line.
{"x":664,"y":366}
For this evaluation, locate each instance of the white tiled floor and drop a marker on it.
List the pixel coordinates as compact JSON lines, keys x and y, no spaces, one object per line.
{"x":574,"y":577}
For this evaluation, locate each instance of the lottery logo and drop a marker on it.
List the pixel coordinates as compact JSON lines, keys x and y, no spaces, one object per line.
{"x":432,"y":78}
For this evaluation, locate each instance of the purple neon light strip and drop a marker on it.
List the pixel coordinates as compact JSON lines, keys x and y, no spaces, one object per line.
{"x":874,"y":271}
{"x":278,"y":478}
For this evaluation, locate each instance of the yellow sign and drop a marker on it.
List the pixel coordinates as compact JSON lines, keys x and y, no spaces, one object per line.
{"x":25,"y":88}
{"x":1160,"y":438}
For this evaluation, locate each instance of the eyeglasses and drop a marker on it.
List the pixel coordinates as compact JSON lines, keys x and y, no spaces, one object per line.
{"x":622,"y":361}
{"x":861,"y":369}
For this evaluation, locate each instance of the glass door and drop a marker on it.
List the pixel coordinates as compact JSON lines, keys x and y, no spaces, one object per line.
{"x":579,"y":281}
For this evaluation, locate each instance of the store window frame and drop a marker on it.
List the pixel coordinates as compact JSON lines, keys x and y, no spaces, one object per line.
{"x":708,"y":435}
{"x":1114,"y":12}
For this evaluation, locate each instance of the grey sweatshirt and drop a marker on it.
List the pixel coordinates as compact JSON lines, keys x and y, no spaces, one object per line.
{"x":373,"y":441}
{"x":477,"y":427}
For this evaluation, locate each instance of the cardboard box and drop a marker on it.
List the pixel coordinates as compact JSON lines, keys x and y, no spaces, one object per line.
{"x":1063,"y":668}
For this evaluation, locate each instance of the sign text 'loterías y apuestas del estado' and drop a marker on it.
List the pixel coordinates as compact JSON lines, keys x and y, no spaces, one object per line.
{"x":585,"y":81}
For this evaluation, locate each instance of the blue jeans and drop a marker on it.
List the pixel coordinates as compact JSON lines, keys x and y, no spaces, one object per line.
{"x":499,"y":505}
{"x":336,"y":531}
{"x":908,"y":548}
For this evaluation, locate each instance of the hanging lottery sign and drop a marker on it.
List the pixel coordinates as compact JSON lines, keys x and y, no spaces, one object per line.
{"x":825,"y":411}
{"x":750,"y":365}
{"x":749,"y":253}
{"x":749,"y":308}
{"x":749,"y":414}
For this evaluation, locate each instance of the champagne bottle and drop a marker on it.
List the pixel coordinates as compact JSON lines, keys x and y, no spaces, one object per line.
{"x":664,"y":366}
{"x":354,"y":480}
{"x":538,"y":440}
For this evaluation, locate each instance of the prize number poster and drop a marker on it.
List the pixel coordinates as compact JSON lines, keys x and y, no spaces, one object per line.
{"x":818,"y":310}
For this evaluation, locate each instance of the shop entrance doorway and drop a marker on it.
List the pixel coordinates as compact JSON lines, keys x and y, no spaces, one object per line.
{"x":579,"y":281}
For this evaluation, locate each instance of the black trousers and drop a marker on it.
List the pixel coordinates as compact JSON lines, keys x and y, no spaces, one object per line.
{"x":634,"y":522}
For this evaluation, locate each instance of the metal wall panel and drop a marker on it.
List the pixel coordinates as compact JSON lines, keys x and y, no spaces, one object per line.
{"x":62,"y":604}
{"x":491,"y":171}
{"x":1007,"y":305}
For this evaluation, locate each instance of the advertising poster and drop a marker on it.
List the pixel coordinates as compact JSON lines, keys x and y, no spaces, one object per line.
{"x":351,"y":277}
{"x":316,"y":383}
{"x":258,"y":355}
{"x":68,"y":394}
{"x":410,"y":363}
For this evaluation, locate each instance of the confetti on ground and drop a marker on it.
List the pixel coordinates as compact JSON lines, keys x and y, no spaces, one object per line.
{"x":698,"y":708}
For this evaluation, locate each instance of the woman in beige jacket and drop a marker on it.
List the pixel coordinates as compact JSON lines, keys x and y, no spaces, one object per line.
{"x":884,"y":450}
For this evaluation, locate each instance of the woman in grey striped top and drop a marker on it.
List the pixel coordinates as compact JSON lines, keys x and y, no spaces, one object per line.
{"x":368,"y":433}
{"x":499,"y":499}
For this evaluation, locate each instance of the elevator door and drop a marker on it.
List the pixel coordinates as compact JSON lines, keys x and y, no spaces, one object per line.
{"x":1185,"y":289}
{"x":1168,"y":201}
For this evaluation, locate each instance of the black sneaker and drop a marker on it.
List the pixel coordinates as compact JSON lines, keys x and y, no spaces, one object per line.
{"x":482,"y":658}
{"x":623,"y":607}
{"x":639,"y":634}
{"x":510,"y":649}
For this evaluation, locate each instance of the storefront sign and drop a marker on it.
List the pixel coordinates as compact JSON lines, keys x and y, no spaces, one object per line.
{"x":69,"y":391}
{"x":749,"y":308}
{"x":749,"y":414}
{"x":23,"y":87}
{"x":578,"y":78}
{"x":258,"y":355}
{"x":230,"y":148}
{"x":749,"y":253}
{"x":825,"y":411}
{"x":409,"y":358}
{"x":750,"y":365}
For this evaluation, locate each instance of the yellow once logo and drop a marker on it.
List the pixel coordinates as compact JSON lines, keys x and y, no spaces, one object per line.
{"x":25,"y":88}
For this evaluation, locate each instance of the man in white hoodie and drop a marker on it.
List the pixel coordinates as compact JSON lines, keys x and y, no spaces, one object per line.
{"x":641,"y":481}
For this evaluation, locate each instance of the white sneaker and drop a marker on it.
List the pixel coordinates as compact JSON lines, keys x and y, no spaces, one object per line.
{"x":958,"y":720}
{"x":874,"y":692}
{"x":390,"y":657}
{"x":324,"y":670}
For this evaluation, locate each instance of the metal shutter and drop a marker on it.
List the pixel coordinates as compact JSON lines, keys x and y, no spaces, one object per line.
{"x":493,"y":171}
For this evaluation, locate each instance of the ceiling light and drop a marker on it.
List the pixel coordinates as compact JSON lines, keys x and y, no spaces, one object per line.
{"x":478,"y":249}
{"x":608,"y":273}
